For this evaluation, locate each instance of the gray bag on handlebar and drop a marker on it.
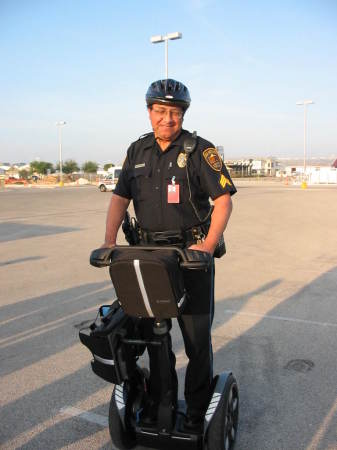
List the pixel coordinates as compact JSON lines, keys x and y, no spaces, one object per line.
{"x":148,"y":283}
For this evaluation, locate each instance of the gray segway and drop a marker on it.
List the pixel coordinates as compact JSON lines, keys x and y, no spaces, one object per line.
{"x":149,"y":284}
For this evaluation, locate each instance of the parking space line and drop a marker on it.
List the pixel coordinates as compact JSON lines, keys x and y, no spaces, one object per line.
{"x":48,"y":307}
{"x":323,"y":429}
{"x":285,"y":319}
{"x":46,"y":327}
{"x":87,"y":416}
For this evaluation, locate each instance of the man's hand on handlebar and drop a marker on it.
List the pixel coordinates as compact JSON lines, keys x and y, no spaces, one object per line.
{"x":202,"y":247}
{"x":108,"y":245}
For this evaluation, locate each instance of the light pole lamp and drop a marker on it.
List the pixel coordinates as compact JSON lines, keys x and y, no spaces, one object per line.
{"x":166,"y":38}
{"x":305,"y":103}
{"x":59,"y":125}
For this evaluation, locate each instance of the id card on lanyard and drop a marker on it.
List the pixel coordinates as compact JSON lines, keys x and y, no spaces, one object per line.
{"x":173,"y":192}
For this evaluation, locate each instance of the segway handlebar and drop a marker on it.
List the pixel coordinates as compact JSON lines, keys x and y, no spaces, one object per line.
{"x":189,"y":259}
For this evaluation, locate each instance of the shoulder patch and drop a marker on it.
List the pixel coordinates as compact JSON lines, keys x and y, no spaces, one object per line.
{"x":213,"y":158}
{"x":224,"y":181}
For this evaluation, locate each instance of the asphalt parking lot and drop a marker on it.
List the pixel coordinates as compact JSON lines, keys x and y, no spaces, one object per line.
{"x":275,"y":322}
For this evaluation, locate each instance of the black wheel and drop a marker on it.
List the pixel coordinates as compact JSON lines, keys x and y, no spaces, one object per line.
{"x":102,"y":188}
{"x":223,"y":428}
{"x":122,"y":439}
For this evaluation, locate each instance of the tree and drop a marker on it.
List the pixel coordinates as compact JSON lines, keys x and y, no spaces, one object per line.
{"x":107,"y":166}
{"x":90,"y":167}
{"x":24,"y":174}
{"x":41,"y":167}
{"x":69,"y":166}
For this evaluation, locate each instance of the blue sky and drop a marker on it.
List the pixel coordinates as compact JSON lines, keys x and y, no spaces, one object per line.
{"x":89,"y":63}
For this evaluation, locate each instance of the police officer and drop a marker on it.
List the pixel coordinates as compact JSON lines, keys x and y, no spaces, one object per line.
{"x":170,"y":175}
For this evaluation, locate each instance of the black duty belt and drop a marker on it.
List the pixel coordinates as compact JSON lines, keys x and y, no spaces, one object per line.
{"x":172,"y":237}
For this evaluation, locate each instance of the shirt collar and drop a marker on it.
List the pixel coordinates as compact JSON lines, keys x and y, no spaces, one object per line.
{"x":179,"y":140}
{"x":149,"y":141}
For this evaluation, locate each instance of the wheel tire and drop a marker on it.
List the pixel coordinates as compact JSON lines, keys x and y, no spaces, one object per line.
{"x":121,"y":438}
{"x":102,"y":188}
{"x":222,"y":430}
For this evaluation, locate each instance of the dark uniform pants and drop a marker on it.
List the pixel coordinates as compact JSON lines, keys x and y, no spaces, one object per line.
{"x":195,"y":325}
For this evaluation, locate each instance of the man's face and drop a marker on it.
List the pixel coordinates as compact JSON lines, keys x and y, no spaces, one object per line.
{"x":166,"y":121}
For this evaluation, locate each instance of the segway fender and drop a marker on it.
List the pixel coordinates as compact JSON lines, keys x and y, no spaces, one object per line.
{"x":120,"y":403}
{"x":220,"y":383}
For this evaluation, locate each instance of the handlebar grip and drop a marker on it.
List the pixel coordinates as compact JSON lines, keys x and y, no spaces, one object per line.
{"x":101,"y":257}
{"x":195,"y":259}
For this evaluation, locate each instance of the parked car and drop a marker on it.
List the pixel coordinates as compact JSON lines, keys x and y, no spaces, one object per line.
{"x":14,"y":180}
{"x":108,"y":182}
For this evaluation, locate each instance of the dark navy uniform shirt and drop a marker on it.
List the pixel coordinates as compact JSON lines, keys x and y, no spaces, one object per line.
{"x":147,"y":172}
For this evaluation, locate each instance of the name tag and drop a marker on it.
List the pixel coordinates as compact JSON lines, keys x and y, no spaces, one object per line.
{"x":173,"y":193}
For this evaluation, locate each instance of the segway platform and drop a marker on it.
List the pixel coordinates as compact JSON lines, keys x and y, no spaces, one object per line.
{"x":149,"y":284}
{"x":219,"y":429}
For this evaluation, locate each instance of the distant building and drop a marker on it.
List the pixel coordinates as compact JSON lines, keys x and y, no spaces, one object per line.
{"x":240,"y":167}
{"x":21,"y":166}
{"x":253,"y":167}
{"x":5,"y":166}
{"x":265,"y":166}
{"x":322,"y":175}
{"x":13,"y":172}
{"x":313,"y":174}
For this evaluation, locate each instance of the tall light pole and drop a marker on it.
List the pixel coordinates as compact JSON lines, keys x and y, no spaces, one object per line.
{"x":59,"y":125}
{"x":166,"y":38}
{"x":305,"y":103}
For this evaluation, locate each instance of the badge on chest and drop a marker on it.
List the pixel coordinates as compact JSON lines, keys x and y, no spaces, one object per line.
{"x":173,"y":192}
{"x":181,"y":160}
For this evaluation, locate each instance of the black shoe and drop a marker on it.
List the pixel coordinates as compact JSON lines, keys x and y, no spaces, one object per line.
{"x":149,"y":414}
{"x":194,"y":423}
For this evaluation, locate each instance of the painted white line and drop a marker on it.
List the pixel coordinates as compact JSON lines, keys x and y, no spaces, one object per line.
{"x":285,"y":319}
{"x":58,"y":303}
{"x":88,"y":416}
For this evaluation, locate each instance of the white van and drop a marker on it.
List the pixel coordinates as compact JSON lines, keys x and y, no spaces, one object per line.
{"x":108,"y":182}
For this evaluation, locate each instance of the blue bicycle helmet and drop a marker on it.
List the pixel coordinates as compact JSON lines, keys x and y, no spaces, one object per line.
{"x":168,"y":92}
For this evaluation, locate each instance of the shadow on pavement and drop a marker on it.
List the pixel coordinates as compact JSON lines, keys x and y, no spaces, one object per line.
{"x":70,"y":389}
{"x":37,"y":328}
{"x":36,"y":407}
{"x":286,"y":367}
{"x":279,"y":405}
{"x":20,"y":260}
{"x":68,"y":431}
{"x":12,"y":231}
